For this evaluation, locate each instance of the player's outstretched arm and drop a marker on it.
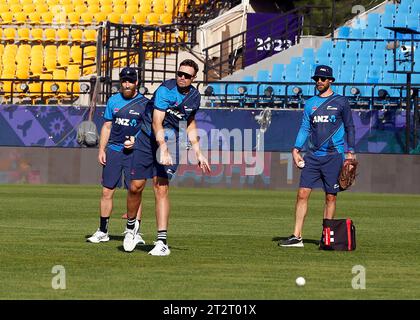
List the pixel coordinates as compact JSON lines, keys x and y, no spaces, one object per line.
{"x":193,"y":137}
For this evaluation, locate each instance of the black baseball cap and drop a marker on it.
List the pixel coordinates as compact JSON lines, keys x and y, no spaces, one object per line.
{"x":323,"y":71}
{"x":128,"y":74}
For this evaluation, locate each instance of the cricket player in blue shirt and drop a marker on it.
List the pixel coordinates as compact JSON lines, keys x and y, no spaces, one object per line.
{"x":326,"y":120}
{"x":155,"y":151}
{"x":122,"y":116}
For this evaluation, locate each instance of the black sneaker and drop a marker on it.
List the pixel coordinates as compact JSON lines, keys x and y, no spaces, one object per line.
{"x":292,"y":241}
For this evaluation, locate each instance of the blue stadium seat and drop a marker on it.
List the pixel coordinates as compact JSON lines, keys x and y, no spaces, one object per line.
{"x":263,"y":76}
{"x":387,"y":19}
{"x":218,"y":88}
{"x":326,"y":48}
{"x":340,"y":45}
{"x":370,"y":33}
{"x":251,"y":88}
{"x":356,"y":33}
{"x":373,"y":20}
{"x":343,"y":32}
{"x":277,"y":74}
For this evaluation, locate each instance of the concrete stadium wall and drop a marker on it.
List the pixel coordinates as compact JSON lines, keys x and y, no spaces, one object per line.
{"x":383,"y":173}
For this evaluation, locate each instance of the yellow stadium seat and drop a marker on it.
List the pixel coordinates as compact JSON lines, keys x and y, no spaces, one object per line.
{"x":23,"y":53}
{"x":80,"y":9}
{"x":16,"y":8}
{"x":169,"y":6}
{"x":100,"y":17}
{"x":132,"y":3}
{"x":106,"y":9}
{"x":94,"y":9}
{"x":50,"y":63}
{"x":62,"y":86}
{"x":28,"y":8}
{"x":6,"y":17}
{"x":140,"y":18}
{"x":132,"y":9}
{"x":49,"y":34}
{"x":37,"y":34}
{"x":37,"y":49}
{"x":23,"y":34}
{"x":22,"y":72}
{"x":86,"y":18}
{"x":64,"y":2}
{"x":46,"y":85}
{"x":25,"y":2}
{"x":89,"y":53}
{"x":63,"y":35}
{"x":68,"y":8}
{"x":93,"y":3}
{"x":89,"y":35}
{"x":74,"y":18}
{"x":34,"y":17}
{"x":47,"y":17}
{"x":166,"y":18}
{"x":78,"y":2}
{"x":52,"y":3}
{"x":127,"y":18}
{"x":105,"y":3}
{"x":20,"y":17}
{"x":119,"y":8}
{"x":76,"y":54}
{"x":42,"y":7}
{"x":153,"y":18}
{"x":9,"y":34}
{"x":114,"y":17}
{"x":36,"y":66}
{"x":63,"y":55}
{"x":118,"y":2}
{"x":159,"y":9}
{"x":145,"y":8}
{"x":76,"y":35}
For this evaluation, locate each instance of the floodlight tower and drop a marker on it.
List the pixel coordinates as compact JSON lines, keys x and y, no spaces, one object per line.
{"x":408,"y":59}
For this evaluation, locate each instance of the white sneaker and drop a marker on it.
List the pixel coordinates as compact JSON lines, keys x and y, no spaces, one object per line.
{"x":98,"y":236}
{"x":130,"y":239}
{"x":139,"y":239}
{"x":160,"y":249}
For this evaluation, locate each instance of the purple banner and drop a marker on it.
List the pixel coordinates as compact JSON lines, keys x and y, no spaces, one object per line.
{"x":377,"y":131}
{"x":268,"y":34}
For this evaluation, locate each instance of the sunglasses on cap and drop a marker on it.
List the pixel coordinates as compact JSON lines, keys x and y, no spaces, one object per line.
{"x":186,"y":75}
{"x":323,"y":79}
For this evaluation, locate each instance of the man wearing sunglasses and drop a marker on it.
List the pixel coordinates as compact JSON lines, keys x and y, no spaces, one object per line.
{"x":326,"y":120}
{"x":122,"y":116}
{"x":173,"y":106}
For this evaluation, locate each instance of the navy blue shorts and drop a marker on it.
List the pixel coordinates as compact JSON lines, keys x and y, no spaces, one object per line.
{"x":117,"y":163}
{"x":322,"y":172}
{"x":145,"y":164}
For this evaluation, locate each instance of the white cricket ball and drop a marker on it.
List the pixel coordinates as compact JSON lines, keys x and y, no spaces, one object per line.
{"x":127,"y":143}
{"x":300,"y":281}
{"x":301,"y":164}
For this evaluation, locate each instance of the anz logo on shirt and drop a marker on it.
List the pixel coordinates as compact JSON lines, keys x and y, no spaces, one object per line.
{"x":324,"y":119}
{"x":126,"y":122}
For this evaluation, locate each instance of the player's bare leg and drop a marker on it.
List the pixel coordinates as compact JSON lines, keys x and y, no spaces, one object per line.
{"x":301,"y":210}
{"x":330,"y":205}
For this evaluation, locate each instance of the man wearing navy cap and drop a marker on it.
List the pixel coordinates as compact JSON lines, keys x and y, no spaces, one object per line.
{"x":122,"y":116}
{"x":326,"y":120}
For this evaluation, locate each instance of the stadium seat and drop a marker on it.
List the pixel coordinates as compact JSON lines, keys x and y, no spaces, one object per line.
{"x":86,"y":18}
{"x":76,"y":35}
{"x":6,"y":17}
{"x":9,"y":34}
{"x":47,"y":17}
{"x":49,"y":34}
{"x":76,"y":54}
{"x":20,"y":17}
{"x":89,"y":35}
{"x":140,"y":18}
{"x":23,"y":34}
{"x":63,"y":35}
{"x":127,"y":18}
{"x":34,"y":17}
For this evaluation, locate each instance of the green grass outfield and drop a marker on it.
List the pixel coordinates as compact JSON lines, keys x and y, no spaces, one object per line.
{"x":223,"y":243}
